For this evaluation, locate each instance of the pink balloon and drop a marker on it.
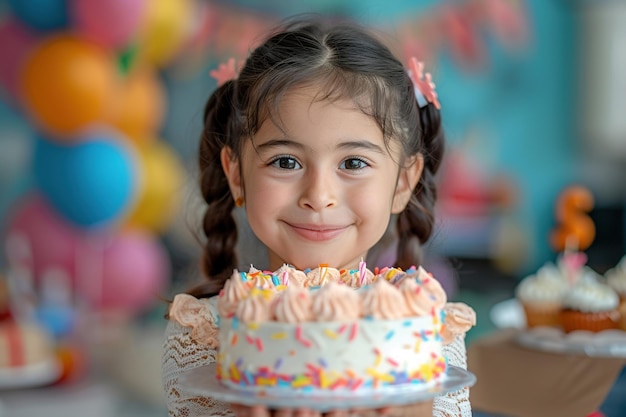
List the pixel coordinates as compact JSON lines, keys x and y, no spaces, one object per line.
{"x":16,"y":42}
{"x":111,"y":23}
{"x":39,"y":239}
{"x":133,"y":270}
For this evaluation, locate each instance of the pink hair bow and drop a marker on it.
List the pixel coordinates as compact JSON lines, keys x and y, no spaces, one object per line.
{"x":226,"y":71}
{"x":423,"y":84}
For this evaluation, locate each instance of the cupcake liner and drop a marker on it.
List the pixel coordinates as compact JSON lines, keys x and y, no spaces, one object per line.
{"x":542,"y":315}
{"x":572,"y":320}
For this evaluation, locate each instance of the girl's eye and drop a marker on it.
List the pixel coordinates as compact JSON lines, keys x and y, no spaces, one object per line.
{"x":285,"y":162}
{"x":353,"y":164}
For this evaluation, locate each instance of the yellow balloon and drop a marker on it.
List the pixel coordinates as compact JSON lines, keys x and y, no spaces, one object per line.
{"x":164,"y":29}
{"x":160,"y":193}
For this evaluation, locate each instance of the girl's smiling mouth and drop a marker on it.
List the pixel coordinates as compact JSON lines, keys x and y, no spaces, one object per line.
{"x":317,"y":233}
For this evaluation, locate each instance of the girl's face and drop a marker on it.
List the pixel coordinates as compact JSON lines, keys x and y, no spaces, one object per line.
{"x":322,"y":189}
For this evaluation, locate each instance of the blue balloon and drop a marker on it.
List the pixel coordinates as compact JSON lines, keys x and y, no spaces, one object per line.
{"x":43,"y":15}
{"x":90,"y":182}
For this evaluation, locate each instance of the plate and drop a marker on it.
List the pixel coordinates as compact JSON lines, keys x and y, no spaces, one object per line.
{"x":606,"y":344}
{"x":508,"y":313}
{"x":201,"y":381}
{"x":29,"y":376}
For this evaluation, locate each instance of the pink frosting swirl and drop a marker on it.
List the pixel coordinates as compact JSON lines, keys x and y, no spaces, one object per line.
{"x":322,"y":275}
{"x":336,"y":302}
{"x":256,"y":308}
{"x":459,"y":318}
{"x":261,"y":280}
{"x":233,"y":292}
{"x":423,"y":295}
{"x":289,"y":275}
{"x":293,"y":305}
{"x":352,"y":278}
{"x":384,"y":301}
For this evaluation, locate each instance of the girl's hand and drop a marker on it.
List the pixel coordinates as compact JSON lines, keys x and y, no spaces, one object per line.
{"x":262,"y":411}
{"x":421,"y":409}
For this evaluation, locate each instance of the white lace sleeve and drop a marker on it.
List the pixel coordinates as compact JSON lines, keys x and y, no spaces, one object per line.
{"x":181,"y":353}
{"x":456,"y":403}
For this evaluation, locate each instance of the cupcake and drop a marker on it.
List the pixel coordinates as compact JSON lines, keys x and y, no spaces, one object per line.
{"x":541,"y":296}
{"x":590,"y":306}
{"x":616,"y":279}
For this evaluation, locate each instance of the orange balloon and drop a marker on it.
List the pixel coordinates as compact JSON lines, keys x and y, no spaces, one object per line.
{"x":68,"y":83}
{"x":140,"y":105}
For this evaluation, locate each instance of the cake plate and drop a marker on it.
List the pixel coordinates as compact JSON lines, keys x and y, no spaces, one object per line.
{"x":202,"y":381}
{"x":29,"y":376}
{"x":604,"y":344}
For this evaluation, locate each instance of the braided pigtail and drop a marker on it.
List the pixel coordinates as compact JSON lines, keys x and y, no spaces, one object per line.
{"x":218,"y":224}
{"x":415,"y":224}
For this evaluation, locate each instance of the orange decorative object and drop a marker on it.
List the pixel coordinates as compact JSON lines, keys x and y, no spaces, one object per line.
{"x":140,"y":105}
{"x":576,"y":230}
{"x":67,"y":84}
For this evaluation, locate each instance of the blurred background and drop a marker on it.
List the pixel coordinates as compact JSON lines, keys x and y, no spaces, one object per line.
{"x":100,"y":113}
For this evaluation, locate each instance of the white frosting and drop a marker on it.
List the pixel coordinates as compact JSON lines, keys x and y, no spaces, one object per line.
{"x":546,"y":286}
{"x":616,"y":277}
{"x":591,"y":297}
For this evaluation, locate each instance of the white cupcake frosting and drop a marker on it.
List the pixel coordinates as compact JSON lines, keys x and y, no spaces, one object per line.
{"x":545,"y":286}
{"x":616,"y":277}
{"x":591,"y":297}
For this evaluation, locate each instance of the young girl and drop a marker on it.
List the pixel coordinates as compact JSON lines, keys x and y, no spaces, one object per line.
{"x":322,"y":138}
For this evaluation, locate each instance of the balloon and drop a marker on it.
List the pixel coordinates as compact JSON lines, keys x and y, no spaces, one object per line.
{"x":44,"y":15}
{"x":110,"y":23}
{"x":68,"y":83}
{"x":158,"y":197}
{"x":140,"y":105}
{"x":17,"y":41}
{"x":164,"y":29}
{"x":135,"y":269}
{"x":91,"y":182}
{"x":51,"y":242}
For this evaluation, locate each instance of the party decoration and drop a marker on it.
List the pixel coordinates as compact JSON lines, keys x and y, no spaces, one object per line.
{"x":462,"y":38}
{"x":576,"y":230}
{"x":43,"y":15}
{"x":91,"y":182}
{"x":110,"y":23}
{"x":68,"y":84}
{"x":134,"y":271}
{"x":158,"y":197}
{"x":164,"y":29}
{"x":39,"y":239}
{"x":140,"y":105}
{"x":17,"y":41}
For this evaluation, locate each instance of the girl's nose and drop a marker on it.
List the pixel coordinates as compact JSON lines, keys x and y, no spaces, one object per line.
{"x":318,"y":192}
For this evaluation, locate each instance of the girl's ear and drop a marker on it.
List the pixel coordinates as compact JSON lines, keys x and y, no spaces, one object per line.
{"x":230,"y":165}
{"x":407,"y":181}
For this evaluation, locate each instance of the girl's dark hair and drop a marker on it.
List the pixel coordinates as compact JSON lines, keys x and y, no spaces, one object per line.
{"x":346,"y":61}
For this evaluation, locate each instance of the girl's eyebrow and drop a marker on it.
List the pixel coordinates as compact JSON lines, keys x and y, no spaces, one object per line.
{"x":349,"y":145}
{"x":361,"y":144}
{"x":275,"y":143}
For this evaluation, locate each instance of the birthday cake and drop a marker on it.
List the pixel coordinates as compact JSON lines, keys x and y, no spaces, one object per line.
{"x":330,"y":330}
